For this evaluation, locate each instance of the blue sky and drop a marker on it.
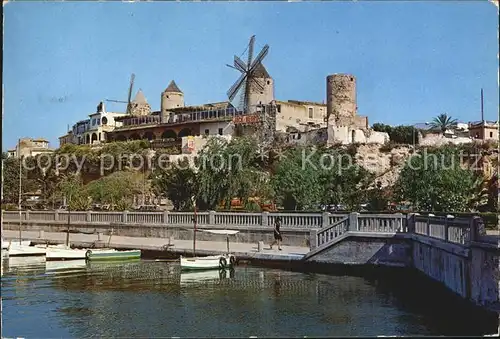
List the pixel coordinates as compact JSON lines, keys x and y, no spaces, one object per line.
{"x":412,"y":60}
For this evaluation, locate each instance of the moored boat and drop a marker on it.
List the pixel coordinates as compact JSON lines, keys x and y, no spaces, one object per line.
{"x":222,"y":261}
{"x":22,"y":250}
{"x":104,"y":255}
{"x":65,"y":253}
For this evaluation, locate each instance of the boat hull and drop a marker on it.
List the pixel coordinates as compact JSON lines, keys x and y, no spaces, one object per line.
{"x":5,"y":244}
{"x":65,"y":265}
{"x":16,"y":250}
{"x":57,"y":253}
{"x":207,"y":263}
{"x":112,"y":255}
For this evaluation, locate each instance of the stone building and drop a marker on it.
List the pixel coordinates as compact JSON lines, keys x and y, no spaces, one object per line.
{"x":300,"y":115}
{"x":483,"y":130}
{"x":29,"y":147}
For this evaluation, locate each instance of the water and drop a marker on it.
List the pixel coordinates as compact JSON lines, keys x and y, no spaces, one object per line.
{"x":153,"y":299}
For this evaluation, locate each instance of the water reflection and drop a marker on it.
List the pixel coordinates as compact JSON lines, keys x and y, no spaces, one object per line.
{"x":153,"y":299}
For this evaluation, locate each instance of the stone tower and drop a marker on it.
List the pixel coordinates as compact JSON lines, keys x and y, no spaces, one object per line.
{"x":341,"y":99}
{"x":259,"y":95}
{"x":171,"y":97}
{"x":140,"y":106}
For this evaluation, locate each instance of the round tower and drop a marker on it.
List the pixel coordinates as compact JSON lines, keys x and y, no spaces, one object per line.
{"x":341,"y":99}
{"x":171,"y":97}
{"x":262,"y":89}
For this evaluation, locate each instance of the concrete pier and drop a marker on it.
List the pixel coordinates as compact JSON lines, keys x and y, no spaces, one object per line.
{"x":243,"y":251}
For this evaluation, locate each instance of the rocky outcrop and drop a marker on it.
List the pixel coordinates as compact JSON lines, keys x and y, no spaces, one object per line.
{"x":385,"y":164}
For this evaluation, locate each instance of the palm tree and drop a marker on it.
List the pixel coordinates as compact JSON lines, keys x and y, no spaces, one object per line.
{"x":443,"y":122}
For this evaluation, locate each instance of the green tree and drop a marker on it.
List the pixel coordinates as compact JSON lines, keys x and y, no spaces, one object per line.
{"x":11,"y":170}
{"x":443,"y":122}
{"x":308,"y":177}
{"x":71,"y":187}
{"x":117,"y":189}
{"x":378,"y":198}
{"x":399,"y":134}
{"x":297,"y":184}
{"x":344,"y":181}
{"x":178,"y":183}
{"x":436,"y":181}
{"x":228,"y":170}
{"x":41,"y":170}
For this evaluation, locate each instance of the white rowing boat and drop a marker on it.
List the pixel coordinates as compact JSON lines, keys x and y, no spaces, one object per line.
{"x":222,"y":261}
{"x":63,"y":252}
{"x":22,"y":250}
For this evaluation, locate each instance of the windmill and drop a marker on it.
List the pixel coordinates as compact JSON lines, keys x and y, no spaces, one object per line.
{"x":247,"y":79}
{"x":129,"y":107}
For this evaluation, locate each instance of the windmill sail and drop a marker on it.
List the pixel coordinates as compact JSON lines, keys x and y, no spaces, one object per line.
{"x":247,"y":79}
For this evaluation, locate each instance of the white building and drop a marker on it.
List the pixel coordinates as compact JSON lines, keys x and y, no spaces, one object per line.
{"x":93,"y":130}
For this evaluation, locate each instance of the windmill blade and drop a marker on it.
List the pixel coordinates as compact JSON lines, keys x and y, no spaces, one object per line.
{"x":132,"y":78}
{"x":250,"y":50}
{"x":239,"y":64}
{"x":232,"y":67}
{"x":259,"y":57}
{"x":236,"y":86}
{"x":244,"y":96}
{"x":257,"y":83}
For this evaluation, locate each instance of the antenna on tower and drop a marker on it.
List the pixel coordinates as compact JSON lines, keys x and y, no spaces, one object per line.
{"x":482,"y":106}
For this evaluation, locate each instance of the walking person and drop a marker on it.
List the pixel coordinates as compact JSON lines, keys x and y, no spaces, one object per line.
{"x":277,"y":234}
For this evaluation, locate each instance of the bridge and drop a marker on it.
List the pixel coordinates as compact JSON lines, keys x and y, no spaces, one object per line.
{"x":453,"y":251}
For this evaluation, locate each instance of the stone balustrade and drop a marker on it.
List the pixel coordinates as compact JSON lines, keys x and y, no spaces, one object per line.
{"x":212,"y":218}
{"x":449,"y":229}
{"x":454,"y":230}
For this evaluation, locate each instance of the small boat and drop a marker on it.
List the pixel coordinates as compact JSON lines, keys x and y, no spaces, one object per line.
{"x":222,"y":261}
{"x":22,"y":250}
{"x":65,"y":253}
{"x":110,"y":254}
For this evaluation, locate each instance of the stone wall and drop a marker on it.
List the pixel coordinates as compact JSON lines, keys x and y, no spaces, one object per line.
{"x":140,"y":109}
{"x":440,"y":140}
{"x":349,"y":135}
{"x":471,"y":273}
{"x":296,"y":115}
{"x":362,"y":251}
{"x":249,"y":234}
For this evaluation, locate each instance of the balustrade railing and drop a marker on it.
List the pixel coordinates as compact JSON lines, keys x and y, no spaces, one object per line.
{"x":454,"y":230}
{"x":288,"y":220}
{"x":328,"y":234}
{"x":381,"y":223}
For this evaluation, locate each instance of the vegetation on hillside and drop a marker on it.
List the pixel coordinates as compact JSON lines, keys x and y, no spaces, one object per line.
{"x":295,"y":178}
